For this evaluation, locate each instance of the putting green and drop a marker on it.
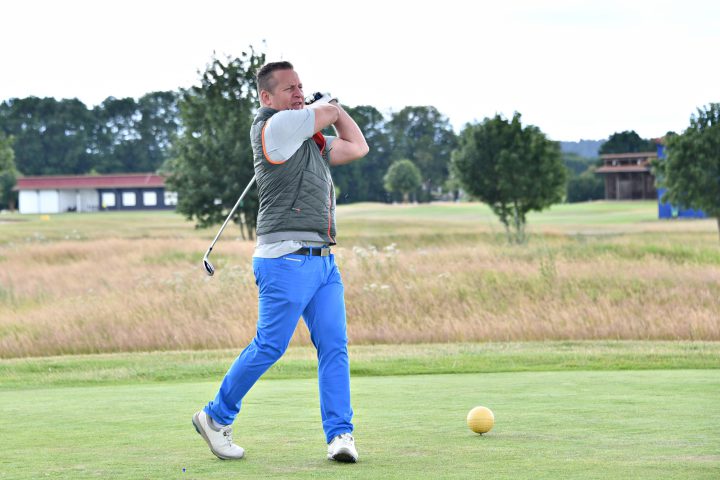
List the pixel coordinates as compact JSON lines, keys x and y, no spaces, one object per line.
{"x":574,"y":424}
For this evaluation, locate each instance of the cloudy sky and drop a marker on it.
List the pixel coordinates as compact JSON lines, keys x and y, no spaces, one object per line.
{"x":577,"y":69}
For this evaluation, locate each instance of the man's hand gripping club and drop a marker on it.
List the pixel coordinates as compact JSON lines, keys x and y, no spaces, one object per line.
{"x":320,"y":98}
{"x":350,"y":143}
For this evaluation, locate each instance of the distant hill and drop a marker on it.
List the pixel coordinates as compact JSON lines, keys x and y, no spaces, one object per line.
{"x":584,"y":148}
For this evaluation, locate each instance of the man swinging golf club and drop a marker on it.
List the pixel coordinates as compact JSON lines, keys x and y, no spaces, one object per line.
{"x":294,"y":268}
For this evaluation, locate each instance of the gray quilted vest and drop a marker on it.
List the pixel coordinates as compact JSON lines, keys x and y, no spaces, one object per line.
{"x":297,"y":197}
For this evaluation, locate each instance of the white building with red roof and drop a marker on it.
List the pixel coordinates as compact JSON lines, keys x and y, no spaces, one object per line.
{"x":92,"y":193}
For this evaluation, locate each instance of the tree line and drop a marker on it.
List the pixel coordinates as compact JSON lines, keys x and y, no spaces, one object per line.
{"x":198,"y":137}
{"x":123,"y":135}
{"x":65,"y":137}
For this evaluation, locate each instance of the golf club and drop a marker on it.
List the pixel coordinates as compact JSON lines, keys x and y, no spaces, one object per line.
{"x":209,"y":269}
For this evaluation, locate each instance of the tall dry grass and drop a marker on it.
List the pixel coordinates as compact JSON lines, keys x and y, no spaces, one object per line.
{"x":129,"y":294}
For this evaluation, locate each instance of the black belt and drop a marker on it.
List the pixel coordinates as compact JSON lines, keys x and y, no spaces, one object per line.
{"x":313,"y":251}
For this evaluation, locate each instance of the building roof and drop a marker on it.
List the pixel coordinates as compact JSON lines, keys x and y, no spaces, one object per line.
{"x":131,"y":180}
{"x":618,"y":156}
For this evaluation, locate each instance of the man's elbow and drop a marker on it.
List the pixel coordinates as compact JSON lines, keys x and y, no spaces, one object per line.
{"x":359,"y":152}
{"x":363,"y":150}
{"x":349,"y":153}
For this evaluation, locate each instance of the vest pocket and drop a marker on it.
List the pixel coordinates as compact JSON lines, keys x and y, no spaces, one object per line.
{"x":293,"y":205}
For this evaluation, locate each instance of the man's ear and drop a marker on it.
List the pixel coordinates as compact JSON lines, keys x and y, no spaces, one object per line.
{"x":264,"y":97}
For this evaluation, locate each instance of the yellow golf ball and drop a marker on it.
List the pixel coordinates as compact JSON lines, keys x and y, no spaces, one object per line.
{"x":480,"y":420}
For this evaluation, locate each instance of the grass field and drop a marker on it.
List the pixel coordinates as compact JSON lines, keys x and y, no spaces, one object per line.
{"x":653,"y":424}
{"x":581,"y":410}
{"x":596,"y":345}
{"x":117,"y":281}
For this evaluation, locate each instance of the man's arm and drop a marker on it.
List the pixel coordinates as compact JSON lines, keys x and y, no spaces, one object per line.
{"x":325,"y":115}
{"x":350,"y":143}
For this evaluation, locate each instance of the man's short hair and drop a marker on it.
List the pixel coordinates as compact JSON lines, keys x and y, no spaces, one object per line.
{"x":265,"y":79}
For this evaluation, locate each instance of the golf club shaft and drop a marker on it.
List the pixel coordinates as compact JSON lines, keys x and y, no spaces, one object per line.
{"x":232,"y":212}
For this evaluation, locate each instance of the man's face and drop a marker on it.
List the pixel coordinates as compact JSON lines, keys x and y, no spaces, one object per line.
{"x":287,"y":94}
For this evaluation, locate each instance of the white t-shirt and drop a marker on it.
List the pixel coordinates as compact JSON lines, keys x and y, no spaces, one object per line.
{"x":283,"y":134}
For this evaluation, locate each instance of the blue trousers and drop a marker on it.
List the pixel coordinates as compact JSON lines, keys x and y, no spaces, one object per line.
{"x":291,"y":286}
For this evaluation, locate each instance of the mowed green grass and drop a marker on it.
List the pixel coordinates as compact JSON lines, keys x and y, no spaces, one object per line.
{"x":563,"y":410}
{"x":589,"y":425}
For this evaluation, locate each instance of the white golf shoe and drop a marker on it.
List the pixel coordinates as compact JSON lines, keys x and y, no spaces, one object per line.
{"x":219,"y":439}
{"x":342,"y":449}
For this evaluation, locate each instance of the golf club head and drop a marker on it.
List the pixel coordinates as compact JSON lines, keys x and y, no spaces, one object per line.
{"x":209,"y":269}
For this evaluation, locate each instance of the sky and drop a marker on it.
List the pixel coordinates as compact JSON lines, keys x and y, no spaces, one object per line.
{"x":576,"y":69}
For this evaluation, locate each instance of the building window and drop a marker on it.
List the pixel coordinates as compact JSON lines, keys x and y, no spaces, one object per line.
{"x":128,"y":199}
{"x":108,"y":199}
{"x":149,"y":199}
{"x":170,"y":198}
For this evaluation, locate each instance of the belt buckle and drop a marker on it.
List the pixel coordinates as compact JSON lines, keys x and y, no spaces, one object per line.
{"x":314,"y":251}
{"x":319,"y":251}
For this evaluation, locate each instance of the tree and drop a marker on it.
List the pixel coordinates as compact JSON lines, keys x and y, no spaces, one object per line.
{"x":403,"y":177}
{"x":213,"y":157}
{"x":116,"y":136}
{"x":582,"y":184}
{"x":512,"y":169}
{"x":423,"y":135}
{"x":362,"y":181}
{"x":626,"y":142}
{"x":584,"y":187}
{"x":691,"y":169}
{"x":577,"y":164}
{"x":8,"y":173}
{"x":159,"y":127}
{"x":63,"y":137}
{"x":51,"y":136}
{"x":134,"y":136}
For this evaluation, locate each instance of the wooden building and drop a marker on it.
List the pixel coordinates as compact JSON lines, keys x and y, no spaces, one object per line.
{"x":628,"y":176}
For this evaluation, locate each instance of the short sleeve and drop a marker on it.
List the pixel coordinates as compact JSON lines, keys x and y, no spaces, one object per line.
{"x":285,"y":131}
{"x":328,"y":147}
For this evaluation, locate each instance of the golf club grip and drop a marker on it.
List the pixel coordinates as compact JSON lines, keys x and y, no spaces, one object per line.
{"x":232,"y":212}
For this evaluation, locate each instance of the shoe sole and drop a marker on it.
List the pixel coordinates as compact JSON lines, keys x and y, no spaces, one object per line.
{"x":196,"y":422}
{"x":343,"y":457}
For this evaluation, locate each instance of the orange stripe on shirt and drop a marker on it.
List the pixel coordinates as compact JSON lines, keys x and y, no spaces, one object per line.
{"x":267,"y":157}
